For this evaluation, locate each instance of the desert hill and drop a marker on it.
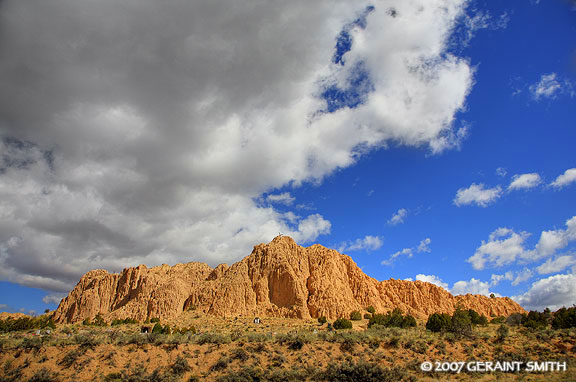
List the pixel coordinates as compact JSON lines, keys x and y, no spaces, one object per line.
{"x":278,"y":279}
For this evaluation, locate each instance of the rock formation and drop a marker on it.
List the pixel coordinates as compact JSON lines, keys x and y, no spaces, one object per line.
{"x":278,"y":279}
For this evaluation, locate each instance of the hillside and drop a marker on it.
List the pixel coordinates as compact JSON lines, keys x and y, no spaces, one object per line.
{"x":278,"y":279}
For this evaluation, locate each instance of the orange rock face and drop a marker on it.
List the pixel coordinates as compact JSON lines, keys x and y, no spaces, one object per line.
{"x":278,"y":279}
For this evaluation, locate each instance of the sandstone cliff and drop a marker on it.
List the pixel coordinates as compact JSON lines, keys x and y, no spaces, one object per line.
{"x":278,"y":279}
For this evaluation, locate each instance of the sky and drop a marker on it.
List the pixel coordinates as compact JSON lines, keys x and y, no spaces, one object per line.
{"x":429,"y":140}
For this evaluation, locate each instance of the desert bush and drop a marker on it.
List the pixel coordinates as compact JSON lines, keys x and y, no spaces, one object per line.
{"x":322,"y":320}
{"x":180,"y":366}
{"x":367,"y":316}
{"x":502,"y":332}
{"x":498,"y":320}
{"x":44,"y":375}
{"x":361,"y":372}
{"x":245,"y":374}
{"x":438,"y":322}
{"x":515,"y":319}
{"x":536,"y":320}
{"x":26,"y":323}
{"x":342,"y":323}
{"x":154,"y":320}
{"x":392,"y":319}
{"x":11,"y":374}
{"x":125,"y":321}
{"x":239,"y":354}
{"x":71,"y":357}
{"x":221,"y":364}
{"x":355,"y":316}
{"x":212,"y":338}
{"x":476,"y":318}
{"x":87,"y":340}
{"x":31,"y":343}
{"x":371,"y":309}
{"x":564,"y":318}
{"x":461,"y":322}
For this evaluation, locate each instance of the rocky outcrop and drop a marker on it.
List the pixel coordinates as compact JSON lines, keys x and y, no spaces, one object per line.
{"x":278,"y":279}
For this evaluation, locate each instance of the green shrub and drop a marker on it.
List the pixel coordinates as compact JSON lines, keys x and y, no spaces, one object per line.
{"x":536,"y":320}
{"x":564,"y":318}
{"x":367,"y":316}
{"x":438,"y":322}
{"x":322,"y":320}
{"x":502,"y":332}
{"x":180,"y":366}
{"x":498,"y":320}
{"x":342,"y":323}
{"x":154,"y":320}
{"x":461,"y":322}
{"x":392,"y":319}
{"x":361,"y":372}
{"x":371,"y":309}
{"x":44,"y":375}
{"x":221,"y":364}
{"x":408,"y":322}
{"x":355,"y":316}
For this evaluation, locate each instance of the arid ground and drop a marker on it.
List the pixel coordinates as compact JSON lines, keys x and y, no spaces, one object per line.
{"x":236,"y":349}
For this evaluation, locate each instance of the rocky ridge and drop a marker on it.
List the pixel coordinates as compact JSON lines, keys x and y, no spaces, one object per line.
{"x":278,"y":279}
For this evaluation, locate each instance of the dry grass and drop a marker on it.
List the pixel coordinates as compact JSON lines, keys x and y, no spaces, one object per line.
{"x":276,"y":350}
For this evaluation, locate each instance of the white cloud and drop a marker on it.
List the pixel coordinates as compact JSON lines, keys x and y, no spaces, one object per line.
{"x":159,"y":137}
{"x":522,"y":276}
{"x":550,"y":86}
{"x":473,"y":286}
{"x":503,"y":247}
{"x":369,"y":243}
{"x":495,"y":279}
{"x":525,"y":181}
{"x":565,"y":179}
{"x":477,"y":194}
{"x":501,"y":171}
{"x":53,"y":298}
{"x":554,"y":240}
{"x":424,"y":245}
{"x":556,"y":265}
{"x":433,"y":280}
{"x":553,"y":292}
{"x":408,"y":252}
{"x":283,"y":198}
{"x":4,"y":308}
{"x":399,"y":217}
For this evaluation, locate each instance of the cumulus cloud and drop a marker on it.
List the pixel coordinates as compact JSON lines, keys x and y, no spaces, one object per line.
{"x":550,"y":86}
{"x":501,"y":171}
{"x":503,"y":247}
{"x":283,"y":198}
{"x":524,"y":275}
{"x":53,"y":298}
{"x":565,"y":179}
{"x":556,"y":265}
{"x":408,"y":252}
{"x":433,"y":280}
{"x":477,"y":194}
{"x":369,"y":243}
{"x":553,"y":292}
{"x":525,"y":181}
{"x":552,"y":241}
{"x":399,"y":217}
{"x":473,"y":286}
{"x":147,"y":132}
{"x":424,"y":245}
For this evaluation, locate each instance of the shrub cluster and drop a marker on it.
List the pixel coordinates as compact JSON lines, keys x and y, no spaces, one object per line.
{"x":355,"y":316}
{"x":392,"y":319}
{"x":564,"y":318}
{"x":461,"y":322}
{"x":26,"y":323}
{"x":342,"y":323}
{"x":120,"y":321}
{"x":98,"y":321}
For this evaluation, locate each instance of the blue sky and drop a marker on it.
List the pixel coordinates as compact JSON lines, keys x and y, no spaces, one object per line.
{"x":477,"y":173}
